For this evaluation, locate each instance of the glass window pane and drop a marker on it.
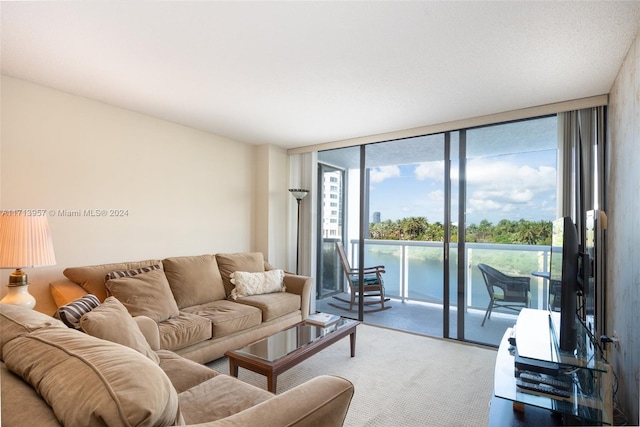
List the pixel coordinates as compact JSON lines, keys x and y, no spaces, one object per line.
{"x":405,"y":204}
{"x":510,"y":203}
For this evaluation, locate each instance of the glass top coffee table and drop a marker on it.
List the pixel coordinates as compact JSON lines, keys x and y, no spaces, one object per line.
{"x":283,"y":350}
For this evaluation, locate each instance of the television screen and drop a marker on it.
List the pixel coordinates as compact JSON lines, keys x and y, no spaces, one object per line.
{"x":555,"y":266}
{"x":563,"y":283}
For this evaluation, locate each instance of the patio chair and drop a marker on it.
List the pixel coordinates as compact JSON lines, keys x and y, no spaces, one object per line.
{"x":511,"y":292}
{"x":373,"y":285}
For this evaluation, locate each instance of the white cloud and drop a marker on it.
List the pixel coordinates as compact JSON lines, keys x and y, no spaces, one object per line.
{"x":483,"y":172}
{"x":501,"y":186}
{"x":505,"y":195}
{"x":384,"y":172}
{"x":430,"y":170}
{"x":482,"y":205}
{"x":497,"y":187}
{"x":508,"y":182}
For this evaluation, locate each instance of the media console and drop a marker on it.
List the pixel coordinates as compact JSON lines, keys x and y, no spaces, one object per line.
{"x":583,"y":378}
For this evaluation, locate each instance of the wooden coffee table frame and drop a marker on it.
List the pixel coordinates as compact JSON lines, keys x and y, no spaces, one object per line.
{"x":272,"y":369}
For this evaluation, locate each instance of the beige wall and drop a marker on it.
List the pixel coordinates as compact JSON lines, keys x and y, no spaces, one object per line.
{"x":272,"y":199}
{"x":187,"y":192}
{"x":623,"y":233}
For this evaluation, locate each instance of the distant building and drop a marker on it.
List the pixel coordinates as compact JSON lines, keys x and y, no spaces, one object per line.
{"x":331,"y":205}
{"x":376,"y":217}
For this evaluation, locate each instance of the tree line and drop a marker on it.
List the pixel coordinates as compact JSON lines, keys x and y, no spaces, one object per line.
{"x":506,"y":231}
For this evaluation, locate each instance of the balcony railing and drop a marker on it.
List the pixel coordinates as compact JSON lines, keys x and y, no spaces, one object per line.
{"x":415,"y":269}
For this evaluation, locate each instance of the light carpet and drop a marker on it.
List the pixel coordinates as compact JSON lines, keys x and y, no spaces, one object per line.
{"x":400,"y":379}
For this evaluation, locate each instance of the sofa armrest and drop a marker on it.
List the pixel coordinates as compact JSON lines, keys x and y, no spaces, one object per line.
{"x":150,"y":330}
{"x":300,"y":285}
{"x":64,"y":291}
{"x":321,"y":401}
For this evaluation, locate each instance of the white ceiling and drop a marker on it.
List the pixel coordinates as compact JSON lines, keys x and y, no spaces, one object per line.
{"x":297,"y":73}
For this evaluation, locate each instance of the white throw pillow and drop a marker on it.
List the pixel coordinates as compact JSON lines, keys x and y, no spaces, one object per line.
{"x":247,"y":284}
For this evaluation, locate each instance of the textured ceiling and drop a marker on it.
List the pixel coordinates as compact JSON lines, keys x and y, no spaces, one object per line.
{"x":299,"y":73}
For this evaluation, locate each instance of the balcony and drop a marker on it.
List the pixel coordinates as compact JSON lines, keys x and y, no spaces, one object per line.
{"x":414,"y":282}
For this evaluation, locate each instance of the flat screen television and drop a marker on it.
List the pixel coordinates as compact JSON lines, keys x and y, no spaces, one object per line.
{"x":564,"y":283}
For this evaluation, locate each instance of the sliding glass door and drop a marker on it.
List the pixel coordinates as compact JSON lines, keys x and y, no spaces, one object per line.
{"x":404,"y":232}
{"x":430,"y":209}
{"x":510,"y":201}
{"x":392,"y":214}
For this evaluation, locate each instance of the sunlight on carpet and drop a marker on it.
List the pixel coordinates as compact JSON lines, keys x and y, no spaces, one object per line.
{"x":400,"y":379}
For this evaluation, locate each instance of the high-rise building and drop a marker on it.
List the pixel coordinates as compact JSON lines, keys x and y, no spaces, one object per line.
{"x":332,"y":205}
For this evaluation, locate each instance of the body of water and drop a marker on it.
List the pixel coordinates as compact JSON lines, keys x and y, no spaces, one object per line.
{"x":424,"y":275}
{"x":424,"y":278}
{"x":419,"y":274}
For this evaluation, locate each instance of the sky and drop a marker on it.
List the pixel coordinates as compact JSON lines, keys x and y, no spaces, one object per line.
{"x":512,"y":186}
{"x":511,"y":174}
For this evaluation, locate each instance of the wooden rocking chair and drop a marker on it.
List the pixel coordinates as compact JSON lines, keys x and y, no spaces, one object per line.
{"x":373,"y":285}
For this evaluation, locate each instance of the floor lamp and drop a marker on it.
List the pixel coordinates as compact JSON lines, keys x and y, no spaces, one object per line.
{"x":299,"y":194}
{"x":25,"y":241}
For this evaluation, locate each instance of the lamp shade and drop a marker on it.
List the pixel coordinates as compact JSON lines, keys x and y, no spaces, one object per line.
{"x":298,"y":193}
{"x":25,"y":241}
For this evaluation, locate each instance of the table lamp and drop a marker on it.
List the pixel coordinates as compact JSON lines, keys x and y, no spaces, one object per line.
{"x":25,"y":241}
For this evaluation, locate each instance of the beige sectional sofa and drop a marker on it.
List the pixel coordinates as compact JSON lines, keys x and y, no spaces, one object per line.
{"x":190,"y":298}
{"x":53,"y":375}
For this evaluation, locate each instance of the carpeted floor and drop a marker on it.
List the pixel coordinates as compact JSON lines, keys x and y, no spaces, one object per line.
{"x":400,"y":379}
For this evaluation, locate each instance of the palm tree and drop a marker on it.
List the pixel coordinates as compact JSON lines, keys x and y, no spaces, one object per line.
{"x":435,"y":232}
{"x":484,"y":230}
{"x":413,"y":227}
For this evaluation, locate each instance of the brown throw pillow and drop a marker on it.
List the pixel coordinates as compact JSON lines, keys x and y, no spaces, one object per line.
{"x":88,"y":381}
{"x":251,"y":262}
{"x":112,"y":322}
{"x":16,"y":321}
{"x":145,"y":294}
{"x":194,"y":280}
{"x":91,"y":278}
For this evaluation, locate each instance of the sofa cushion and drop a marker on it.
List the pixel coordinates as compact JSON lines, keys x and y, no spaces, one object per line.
{"x":91,"y":278}
{"x":16,"y":321}
{"x":183,"y":330}
{"x":184,"y":373}
{"x":71,"y":313}
{"x":145,"y":294}
{"x":88,"y":381}
{"x":264,"y":282}
{"x":17,"y":396}
{"x":229,"y":394}
{"x":194,"y":279}
{"x":252,"y":262}
{"x":227,"y":317}
{"x":112,"y":322}
{"x":273,"y":305}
